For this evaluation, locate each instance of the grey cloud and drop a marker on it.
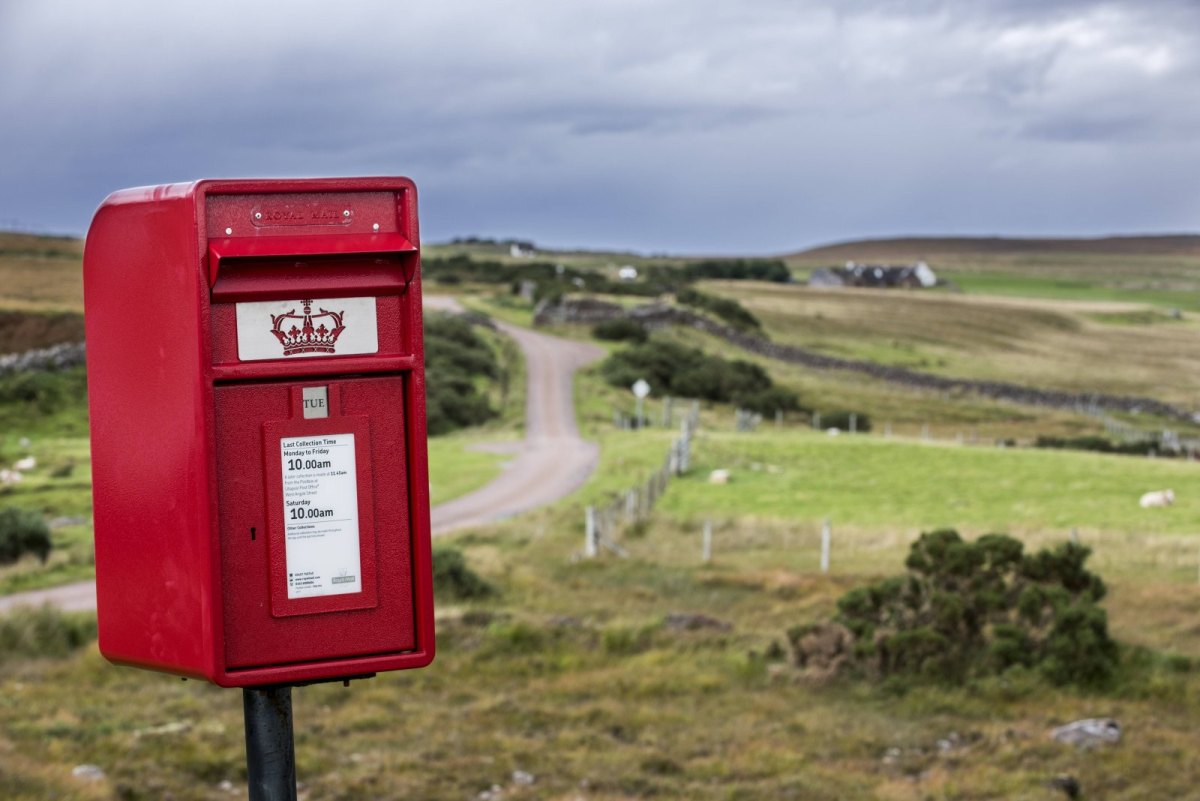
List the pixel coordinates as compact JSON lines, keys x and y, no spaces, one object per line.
{"x":612,"y":122}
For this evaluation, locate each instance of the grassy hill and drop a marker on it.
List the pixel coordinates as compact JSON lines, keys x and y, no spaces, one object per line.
{"x":575,"y":674}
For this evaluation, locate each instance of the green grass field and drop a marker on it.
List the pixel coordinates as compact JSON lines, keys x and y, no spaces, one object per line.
{"x":572,"y":674}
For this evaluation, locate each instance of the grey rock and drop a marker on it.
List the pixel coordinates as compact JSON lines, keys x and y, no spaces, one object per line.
{"x":90,"y":773}
{"x":1088,"y":733}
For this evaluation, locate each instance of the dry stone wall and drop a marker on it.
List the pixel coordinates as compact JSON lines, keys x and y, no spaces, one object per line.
{"x":657,"y":315}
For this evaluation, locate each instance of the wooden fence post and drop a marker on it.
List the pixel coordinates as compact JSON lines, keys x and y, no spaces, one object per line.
{"x":826,"y":536}
{"x":589,"y":536}
{"x":706,"y":543}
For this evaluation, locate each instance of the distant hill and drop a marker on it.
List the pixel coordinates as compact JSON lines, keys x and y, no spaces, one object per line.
{"x":910,"y":248}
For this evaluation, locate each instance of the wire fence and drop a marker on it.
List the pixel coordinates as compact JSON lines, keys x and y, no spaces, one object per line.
{"x":603,"y":524}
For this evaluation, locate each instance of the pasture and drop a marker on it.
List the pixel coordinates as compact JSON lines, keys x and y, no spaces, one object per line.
{"x":577,"y":679}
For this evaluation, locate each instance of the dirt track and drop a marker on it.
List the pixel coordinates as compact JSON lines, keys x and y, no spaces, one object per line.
{"x":551,"y":462}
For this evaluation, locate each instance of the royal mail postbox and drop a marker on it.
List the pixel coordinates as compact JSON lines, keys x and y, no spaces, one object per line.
{"x":257,"y":399}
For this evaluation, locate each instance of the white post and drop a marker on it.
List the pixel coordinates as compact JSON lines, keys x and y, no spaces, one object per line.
{"x":1075,"y":536}
{"x":589,"y":537}
{"x":779,"y":418}
{"x":706,"y":544}
{"x":853,"y":423}
{"x":630,"y":504}
{"x":666,"y":417}
{"x":887,"y":429}
{"x":924,"y":430}
{"x":826,"y":536}
{"x":817,"y":420}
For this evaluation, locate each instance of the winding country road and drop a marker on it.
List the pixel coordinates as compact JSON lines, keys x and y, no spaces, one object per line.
{"x":550,"y":463}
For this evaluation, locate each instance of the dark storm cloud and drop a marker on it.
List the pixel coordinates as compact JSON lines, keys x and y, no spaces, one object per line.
{"x":658,"y":124}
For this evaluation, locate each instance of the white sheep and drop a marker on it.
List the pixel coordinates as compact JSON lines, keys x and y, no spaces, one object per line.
{"x":25,"y":465}
{"x":1157,"y":499}
{"x":9,"y":477}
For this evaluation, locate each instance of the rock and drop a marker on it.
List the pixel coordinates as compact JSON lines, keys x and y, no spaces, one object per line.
{"x":687,"y":621}
{"x":63,"y":522}
{"x":89,"y":773}
{"x":718,"y":477}
{"x":175,"y":727}
{"x":1089,"y":733}
{"x":892,"y":756}
{"x":523,"y":778}
{"x":226,"y":786}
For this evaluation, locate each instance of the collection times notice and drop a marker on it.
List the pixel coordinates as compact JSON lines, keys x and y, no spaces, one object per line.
{"x":320,"y":515}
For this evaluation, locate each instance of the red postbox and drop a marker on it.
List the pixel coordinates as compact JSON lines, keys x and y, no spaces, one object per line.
{"x":257,"y":398}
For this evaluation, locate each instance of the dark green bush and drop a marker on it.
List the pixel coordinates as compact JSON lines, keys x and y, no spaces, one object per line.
{"x":22,"y":531}
{"x":44,"y":392}
{"x":458,"y":362}
{"x":739,"y":269}
{"x":841,"y":420}
{"x":673,"y":369}
{"x":972,"y":609}
{"x":452,"y":578}
{"x":1102,"y":445}
{"x":727,"y":309}
{"x":621,"y":329}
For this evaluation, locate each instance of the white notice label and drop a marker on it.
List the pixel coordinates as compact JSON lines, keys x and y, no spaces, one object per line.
{"x":320,"y":515}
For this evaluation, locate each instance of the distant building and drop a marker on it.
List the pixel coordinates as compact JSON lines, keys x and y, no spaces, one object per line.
{"x":519,"y":249}
{"x":881,"y":276}
{"x":627,"y":273}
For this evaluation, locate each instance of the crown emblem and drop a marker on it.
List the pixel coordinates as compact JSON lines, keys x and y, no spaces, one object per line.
{"x":308,"y":332}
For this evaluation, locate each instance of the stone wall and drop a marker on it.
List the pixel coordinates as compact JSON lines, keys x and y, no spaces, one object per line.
{"x":657,"y":315}
{"x":56,"y":357}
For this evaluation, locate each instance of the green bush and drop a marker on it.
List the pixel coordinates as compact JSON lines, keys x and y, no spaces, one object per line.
{"x":452,"y":578}
{"x":673,"y":369}
{"x":457,"y":362}
{"x":727,"y":309}
{"x":621,"y":329}
{"x":44,"y":392}
{"x":739,"y":269}
{"x":44,"y":631}
{"x":972,"y":609}
{"x":1102,"y":445}
{"x":22,"y":531}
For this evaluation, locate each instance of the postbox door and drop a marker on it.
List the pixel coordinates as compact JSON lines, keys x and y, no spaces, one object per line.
{"x":314,"y":514}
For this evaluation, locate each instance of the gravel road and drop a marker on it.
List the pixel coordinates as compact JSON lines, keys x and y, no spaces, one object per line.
{"x":551,"y":462}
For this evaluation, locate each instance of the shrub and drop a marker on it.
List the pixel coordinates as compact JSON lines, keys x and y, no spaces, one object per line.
{"x":970,"y":609}
{"x":673,"y":369}
{"x":457,"y":362}
{"x":1102,"y":445}
{"x":44,"y":631}
{"x":453,"y":579}
{"x":22,"y":531}
{"x":740,"y":269}
{"x":43,"y":392}
{"x":727,"y":309}
{"x":620,"y":329}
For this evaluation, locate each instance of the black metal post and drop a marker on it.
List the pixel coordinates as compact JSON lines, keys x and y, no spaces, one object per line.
{"x":270,"y":749}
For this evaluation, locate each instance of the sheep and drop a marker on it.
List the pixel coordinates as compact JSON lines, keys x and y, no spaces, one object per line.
{"x":1157,"y":499}
{"x":25,"y":465}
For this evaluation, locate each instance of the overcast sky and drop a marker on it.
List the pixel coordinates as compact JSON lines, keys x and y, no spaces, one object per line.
{"x":688,"y":126}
